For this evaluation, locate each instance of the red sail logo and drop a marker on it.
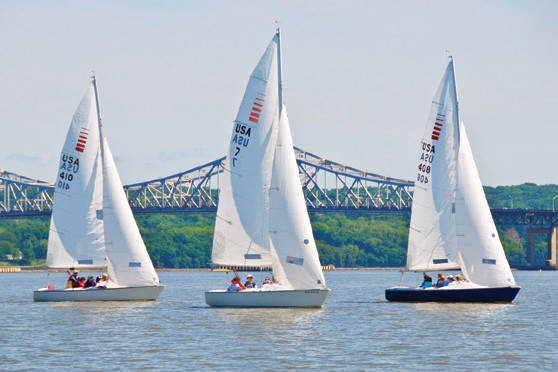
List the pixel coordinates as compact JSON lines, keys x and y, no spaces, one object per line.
{"x":438,"y":127}
{"x":82,"y":139}
{"x":257,"y":109}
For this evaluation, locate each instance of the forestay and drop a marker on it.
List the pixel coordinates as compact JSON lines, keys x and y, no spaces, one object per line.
{"x":432,"y":240}
{"x":76,"y":232}
{"x":242,"y":225}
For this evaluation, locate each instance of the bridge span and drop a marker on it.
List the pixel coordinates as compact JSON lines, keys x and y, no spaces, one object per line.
{"x":327,"y":185}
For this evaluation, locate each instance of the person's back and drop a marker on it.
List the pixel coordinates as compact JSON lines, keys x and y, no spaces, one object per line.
{"x":90,"y":282}
{"x":427,"y":282}
{"x":443,"y":284}
{"x":236,"y":285}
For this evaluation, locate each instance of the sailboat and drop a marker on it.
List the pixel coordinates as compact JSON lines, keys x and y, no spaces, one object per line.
{"x":262,"y":221}
{"x":92,"y":226}
{"x":451,"y":225}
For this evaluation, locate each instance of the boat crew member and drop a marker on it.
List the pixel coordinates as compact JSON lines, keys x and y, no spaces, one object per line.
{"x":427,"y":282}
{"x":73,"y":279}
{"x":250,"y":283}
{"x":236,"y":285}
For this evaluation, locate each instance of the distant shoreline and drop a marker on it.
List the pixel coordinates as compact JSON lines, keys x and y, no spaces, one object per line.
{"x":28,"y":269}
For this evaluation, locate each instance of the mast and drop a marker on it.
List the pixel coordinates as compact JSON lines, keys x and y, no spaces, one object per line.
{"x":456,"y":100}
{"x":280,"y":71}
{"x":98,"y":117}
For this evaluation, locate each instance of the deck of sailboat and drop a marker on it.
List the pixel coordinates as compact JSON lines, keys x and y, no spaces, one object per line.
{"x":447,"y":294}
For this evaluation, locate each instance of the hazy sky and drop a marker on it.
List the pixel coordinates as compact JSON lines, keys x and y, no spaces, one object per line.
{"x":359,"y":78}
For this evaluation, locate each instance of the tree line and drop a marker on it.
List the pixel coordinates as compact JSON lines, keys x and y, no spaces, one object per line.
{"x":343,"y":240}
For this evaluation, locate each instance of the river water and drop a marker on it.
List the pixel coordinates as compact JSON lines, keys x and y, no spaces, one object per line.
{"x":356,"y":329}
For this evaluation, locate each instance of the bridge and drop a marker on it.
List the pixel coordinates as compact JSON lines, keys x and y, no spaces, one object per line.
{"x":328,"y":187}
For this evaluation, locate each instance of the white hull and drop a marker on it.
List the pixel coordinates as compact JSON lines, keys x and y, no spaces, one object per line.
{"x":256,"y":298}
{"x":98,"y":294}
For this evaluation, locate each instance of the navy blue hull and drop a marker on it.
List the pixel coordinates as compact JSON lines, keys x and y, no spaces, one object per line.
{"x":499,"y":294}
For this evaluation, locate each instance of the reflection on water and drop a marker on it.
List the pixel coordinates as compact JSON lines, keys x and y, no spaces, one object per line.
{"x":464,"y":310}
{"x":356,"y":329}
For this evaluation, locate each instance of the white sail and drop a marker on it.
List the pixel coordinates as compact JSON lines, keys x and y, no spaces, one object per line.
{"x":130,"y":265}
{"x":76,"y":232}
{"x":295,"y":257}
{"x":242,"y":226}
{"x":484,"y":260}
{"x":432,"y":240}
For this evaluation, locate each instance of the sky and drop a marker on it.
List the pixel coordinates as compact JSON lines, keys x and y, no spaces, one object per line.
{"x":359,"y":78}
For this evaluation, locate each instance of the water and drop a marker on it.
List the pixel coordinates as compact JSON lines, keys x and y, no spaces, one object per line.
{"x":357,"y":329}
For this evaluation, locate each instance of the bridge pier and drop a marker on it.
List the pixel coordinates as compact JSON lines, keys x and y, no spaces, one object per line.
{"x":550,"y":232}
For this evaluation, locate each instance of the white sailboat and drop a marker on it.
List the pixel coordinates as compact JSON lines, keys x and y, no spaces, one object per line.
{"x":451,"y":224}
{"x":92,"y":225}
{"x":262,"y":220}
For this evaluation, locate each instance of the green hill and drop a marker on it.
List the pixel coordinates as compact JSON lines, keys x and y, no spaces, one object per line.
{"x":352,"y":240}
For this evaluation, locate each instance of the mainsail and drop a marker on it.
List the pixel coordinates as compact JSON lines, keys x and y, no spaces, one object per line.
{"x":432,"y":239}
{"x":76,"y":237}
{"x":242,"y":226}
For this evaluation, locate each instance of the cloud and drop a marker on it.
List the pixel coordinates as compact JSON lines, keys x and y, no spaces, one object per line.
{"x":179,"y":155}
{"x":37,"y":159}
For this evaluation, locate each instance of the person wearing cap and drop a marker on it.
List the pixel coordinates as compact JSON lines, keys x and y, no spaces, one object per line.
{"x":250,"y":283}
{"x":236,"y":285}
{"x":73,"y":278}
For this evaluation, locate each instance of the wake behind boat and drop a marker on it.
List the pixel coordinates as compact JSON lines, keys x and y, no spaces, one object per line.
{"x":262,"y":220}
{"x":92,"y":225}
{"x":451,"y":225}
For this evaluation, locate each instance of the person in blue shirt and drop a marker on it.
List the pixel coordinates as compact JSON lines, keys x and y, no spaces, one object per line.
{"x":250,"y":283}
{"x":90,"y":282}
{"x":446,"y":282}
{"x":427,"y":282}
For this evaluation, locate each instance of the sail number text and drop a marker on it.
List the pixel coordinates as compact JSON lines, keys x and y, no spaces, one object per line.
{"x":241,"y":138}
{"x":69,"y":166}
{"x":426,"y":158}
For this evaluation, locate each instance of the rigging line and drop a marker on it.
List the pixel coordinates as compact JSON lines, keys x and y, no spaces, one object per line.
{"x":231,"y":172}
{"x":401,"y":278}
{"x":227,"y":221}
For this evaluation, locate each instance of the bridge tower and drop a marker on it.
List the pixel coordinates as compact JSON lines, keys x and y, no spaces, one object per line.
{"x":550,"y":233}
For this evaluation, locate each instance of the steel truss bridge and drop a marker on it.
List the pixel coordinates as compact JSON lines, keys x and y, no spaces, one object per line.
{"x":328,"y":187}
